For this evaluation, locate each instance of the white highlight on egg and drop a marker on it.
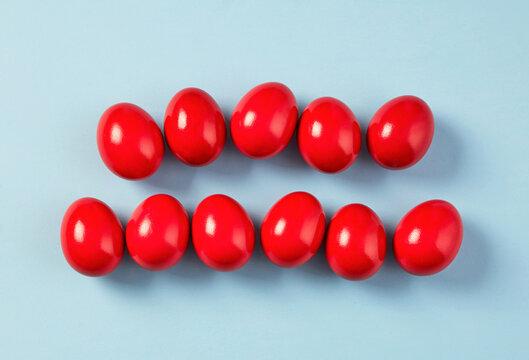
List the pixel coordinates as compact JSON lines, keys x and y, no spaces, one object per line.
{"x":116,"y":134}
{"x":386,"y":130}
{"x":414,"y":236}
{"x":343,"y":238}
{"x":280,"y":227}
{"x":249,"y":119}
{"x":210,"y":225}
{"x":78,"y":231}
{"x":316,"y":129}
{"x":182,"y":119}
{"x":145,"y":227}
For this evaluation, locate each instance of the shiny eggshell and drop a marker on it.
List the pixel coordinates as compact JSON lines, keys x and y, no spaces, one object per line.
{"x":293,"y":229}
{"x":428,"y":237}
{"x":400,"y":132}
{"x":223,"y":233}
{"x":264,"y":120}
{"x":356,"y":242}
{"x":329,"y":136}
{"x":91,"y":237}
{"x":158,"y":232}
{"x":129,"y":141}
{"x":194,"y":127}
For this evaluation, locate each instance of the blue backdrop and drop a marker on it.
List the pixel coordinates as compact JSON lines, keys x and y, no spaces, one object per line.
{"x":63,"y":63}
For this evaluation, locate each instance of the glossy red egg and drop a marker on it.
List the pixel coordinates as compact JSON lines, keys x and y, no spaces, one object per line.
{"x":91,"y":237}
{"x":194,"y":127}
{"x":293,"y":229}
{"x":223,"y":233}
{"x":428,"y":237}
{"x":329,"y":136}
{"x":400,"y":132}
{"x":264,"y":120}
{"x":129,"y":141}
{"x":158,"y":232}
{"x":356,"y":242}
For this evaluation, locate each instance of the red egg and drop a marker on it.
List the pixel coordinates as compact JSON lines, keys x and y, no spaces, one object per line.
{"x":329,"y":136}
{"x":158,"y":232}
{"x":129,"y":141}
{"x":223,"y":233}
{"x":400,"y":132}
{"x":356,"y":242}
{"x":428,"y":237}
{"x":194,"y":127}
{"x":293,"y":229}
{"x":264,"y":120}
{"x":91,"y":237}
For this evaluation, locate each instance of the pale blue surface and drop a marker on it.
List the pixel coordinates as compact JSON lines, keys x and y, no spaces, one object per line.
{"x":62,"y":64}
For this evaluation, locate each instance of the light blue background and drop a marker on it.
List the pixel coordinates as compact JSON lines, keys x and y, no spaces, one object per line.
{"x":63,"y":63}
